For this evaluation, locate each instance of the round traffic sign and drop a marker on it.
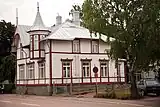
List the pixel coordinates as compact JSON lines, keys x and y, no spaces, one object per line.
{"x":95,"y":69}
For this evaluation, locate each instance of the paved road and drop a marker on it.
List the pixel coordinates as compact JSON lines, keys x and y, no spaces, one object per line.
{"x":40,"y":101}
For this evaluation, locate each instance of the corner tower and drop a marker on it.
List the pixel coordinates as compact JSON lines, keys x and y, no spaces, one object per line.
{"x":37,"y":32}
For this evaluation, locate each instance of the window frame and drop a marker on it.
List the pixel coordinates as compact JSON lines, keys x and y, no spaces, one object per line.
{"x":36,"y":42}
{"x":87,"y":73}
{"x":94,"y":46}
{"x":31,"y":42}
{"x":76,"y":46}
{"x":106,"y":66}
{"x":41,"y":70}
{"x":65,"y":73}
{"x":30,"y":67}
{"x":20,"y":71}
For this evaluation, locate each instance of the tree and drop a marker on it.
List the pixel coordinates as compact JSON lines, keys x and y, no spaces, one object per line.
{"x":7,"y":59}
{"x":6,"y":37}
{"x":134,"y":24}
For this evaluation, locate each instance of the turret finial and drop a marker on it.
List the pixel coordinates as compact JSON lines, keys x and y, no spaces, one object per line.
{"x":37,"y":6}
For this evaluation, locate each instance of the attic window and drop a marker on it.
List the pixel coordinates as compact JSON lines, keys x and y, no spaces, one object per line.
{"x":95,"y":47}
{"x":76,"y":46}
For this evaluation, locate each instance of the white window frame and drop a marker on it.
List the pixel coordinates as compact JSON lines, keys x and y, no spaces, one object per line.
{"x":36,"y":42}
{"x":76,"y":46}
{"x":30,"y":71}
{"x":41,"y":67}
{"x":95,"y":48}
{"x":86,"y":68}
{"x":66,"y":69}
{"x":21,"y":71}
{"x":104,"y":68}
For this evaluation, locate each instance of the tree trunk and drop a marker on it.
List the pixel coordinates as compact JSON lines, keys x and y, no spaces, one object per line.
{"x":134,"y":90}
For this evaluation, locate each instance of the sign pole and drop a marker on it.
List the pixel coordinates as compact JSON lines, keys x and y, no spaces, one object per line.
{"x":95,"y":70}
{"x":96,"y":85}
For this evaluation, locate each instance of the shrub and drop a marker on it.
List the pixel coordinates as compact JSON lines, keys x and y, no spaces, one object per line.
{"x":122,"y":93}
{"x":118,"y":92}
{"x":99,"y":95}
{"x":8,"y":88}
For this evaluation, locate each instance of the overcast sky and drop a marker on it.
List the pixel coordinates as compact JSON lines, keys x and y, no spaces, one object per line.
{"x":27,"y":10}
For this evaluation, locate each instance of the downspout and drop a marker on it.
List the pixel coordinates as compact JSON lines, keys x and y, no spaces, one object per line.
{"x":50,"y":69}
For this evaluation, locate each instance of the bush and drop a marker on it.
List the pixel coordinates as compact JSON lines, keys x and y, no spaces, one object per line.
{"x":117,"y":92}
{"x":8,"y":88}
{"x":123,"y":93}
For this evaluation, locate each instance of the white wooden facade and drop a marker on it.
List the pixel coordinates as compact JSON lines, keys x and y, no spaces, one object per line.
{"x":65,"y":53}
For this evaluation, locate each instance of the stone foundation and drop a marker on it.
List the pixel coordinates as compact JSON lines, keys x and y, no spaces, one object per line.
{"x":33,"y":90}
{"x":76,"y":89}
{"x":44,"y":90}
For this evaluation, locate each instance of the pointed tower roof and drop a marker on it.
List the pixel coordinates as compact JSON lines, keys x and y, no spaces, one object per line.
{"x":38,"y":23}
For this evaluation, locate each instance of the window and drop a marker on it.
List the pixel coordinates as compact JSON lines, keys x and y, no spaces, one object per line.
{"x":21,"y":53}
{"x":66,"y":69}
{"x":21,"y":71}
{"x":104,"y":68}
{"x":42,"y":37}
{"x":31,"y":43}
{"x":119,"y":72}
{"x":41,"y":70}
{"x":76,"y":46}
{"x":95,"y":47}
{"x":138,"y":76}
{"x":36,"y":42}
{"x":86,"y":68}
{"x":42,"y":44}
{"x":30,"y":71}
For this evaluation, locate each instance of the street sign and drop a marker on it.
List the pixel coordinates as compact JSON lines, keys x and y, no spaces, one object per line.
{"x":95,"y":69}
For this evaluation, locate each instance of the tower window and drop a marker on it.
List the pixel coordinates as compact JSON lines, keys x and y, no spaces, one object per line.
{"x":35,"y":42}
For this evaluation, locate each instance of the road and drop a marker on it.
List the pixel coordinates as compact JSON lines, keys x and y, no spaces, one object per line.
{"x":42,"y":101}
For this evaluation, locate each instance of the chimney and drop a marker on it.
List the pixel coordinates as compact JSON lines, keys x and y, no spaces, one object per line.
{"x":58,"y":20}
{"x":76,"y":18}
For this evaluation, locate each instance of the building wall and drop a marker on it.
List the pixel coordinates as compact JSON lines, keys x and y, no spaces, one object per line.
{"x":77,"y":69}
{"x":26,"y":61}
{"x":61,"y":46}
{"x":103,"y":46}
{"x":63,"y":50}
{"x":85,"y":46}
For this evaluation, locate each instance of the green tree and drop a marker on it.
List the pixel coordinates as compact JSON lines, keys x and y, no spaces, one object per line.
{"x":7,"y":59}
{"x":135,"y":25}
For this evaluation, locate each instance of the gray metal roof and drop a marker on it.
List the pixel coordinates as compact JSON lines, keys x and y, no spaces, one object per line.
{"x":38,"y":23}
{"x":65,"y":31}
{"x":68,"y":31}
{"x":24,"y":36}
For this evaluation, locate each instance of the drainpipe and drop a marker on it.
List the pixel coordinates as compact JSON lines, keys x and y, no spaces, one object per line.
{"x":50,"y":61}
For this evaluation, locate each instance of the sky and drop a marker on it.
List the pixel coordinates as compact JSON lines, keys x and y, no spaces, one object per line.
{"x":27,"y":10}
